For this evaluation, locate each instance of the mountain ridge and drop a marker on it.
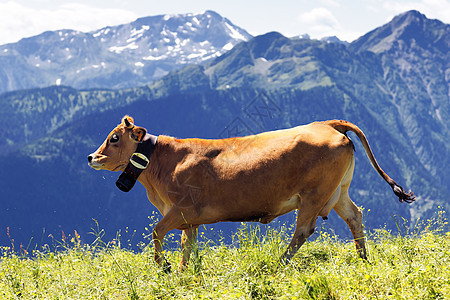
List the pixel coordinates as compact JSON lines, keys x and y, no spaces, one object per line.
{"x":121,"y":56}
{"x":404,"y":27}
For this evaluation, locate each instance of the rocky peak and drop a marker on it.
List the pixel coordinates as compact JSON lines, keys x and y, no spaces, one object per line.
{"x":405,"y":30}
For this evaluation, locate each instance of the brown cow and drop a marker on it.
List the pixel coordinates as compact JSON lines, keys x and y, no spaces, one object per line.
{"x":253,"y":178}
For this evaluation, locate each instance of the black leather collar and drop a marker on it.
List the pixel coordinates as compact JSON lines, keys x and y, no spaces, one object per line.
{"x":138,"y":162}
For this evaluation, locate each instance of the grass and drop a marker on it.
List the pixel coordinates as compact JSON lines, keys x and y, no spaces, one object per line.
{"x":412,"y":265}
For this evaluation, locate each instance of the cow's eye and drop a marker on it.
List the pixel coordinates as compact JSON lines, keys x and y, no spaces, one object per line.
{"x":114,"y":139}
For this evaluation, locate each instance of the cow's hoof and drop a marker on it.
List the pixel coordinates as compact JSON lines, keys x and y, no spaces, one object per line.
{"x":167,"y":268}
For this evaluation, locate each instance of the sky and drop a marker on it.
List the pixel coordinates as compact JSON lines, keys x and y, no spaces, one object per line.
{"x":346,"y":19}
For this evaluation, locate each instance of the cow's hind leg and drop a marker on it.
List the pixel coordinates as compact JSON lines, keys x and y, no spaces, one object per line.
{"x":352,"y":215}
{"x":319,"y":201}
{"x":306,"y":222}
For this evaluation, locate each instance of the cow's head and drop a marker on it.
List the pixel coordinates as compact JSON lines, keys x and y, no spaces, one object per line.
{"x":115,"y":152}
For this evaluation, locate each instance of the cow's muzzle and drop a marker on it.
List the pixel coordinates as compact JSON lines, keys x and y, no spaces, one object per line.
{"x":92,"y":161}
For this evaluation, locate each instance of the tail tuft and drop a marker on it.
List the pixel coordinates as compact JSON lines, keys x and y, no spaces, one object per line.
{"x":402,"y":195}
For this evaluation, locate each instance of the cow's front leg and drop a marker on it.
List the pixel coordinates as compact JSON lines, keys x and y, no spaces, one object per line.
{"x":187,"y":242}
{"x":172,"y":220}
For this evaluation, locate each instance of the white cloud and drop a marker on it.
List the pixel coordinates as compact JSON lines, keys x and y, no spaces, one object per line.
{"x":319,"y":17}
{"x":320,"y":22}
{"x":18,"y":21}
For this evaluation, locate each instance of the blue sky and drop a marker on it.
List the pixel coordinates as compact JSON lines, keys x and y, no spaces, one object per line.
{"x":347,"y":19}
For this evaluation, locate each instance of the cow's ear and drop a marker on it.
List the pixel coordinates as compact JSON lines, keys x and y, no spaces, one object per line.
{"x":128,"y":122}
{"x":138,"y":134}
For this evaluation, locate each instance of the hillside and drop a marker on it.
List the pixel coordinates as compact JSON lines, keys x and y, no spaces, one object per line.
{"x":396,"y":92}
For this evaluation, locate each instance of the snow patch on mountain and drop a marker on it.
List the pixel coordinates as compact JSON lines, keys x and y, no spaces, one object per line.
{"x":234,"y":33}
{"x":154,"y":45}
{"x":120,"y":49}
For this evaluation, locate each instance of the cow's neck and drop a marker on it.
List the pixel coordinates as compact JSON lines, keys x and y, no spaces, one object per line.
{"x":158,"y":175}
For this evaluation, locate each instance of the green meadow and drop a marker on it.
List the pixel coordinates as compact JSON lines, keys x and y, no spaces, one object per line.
{"x":412,"y":264}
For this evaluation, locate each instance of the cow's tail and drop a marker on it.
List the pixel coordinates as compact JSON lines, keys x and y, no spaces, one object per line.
{"x":343,"y":127}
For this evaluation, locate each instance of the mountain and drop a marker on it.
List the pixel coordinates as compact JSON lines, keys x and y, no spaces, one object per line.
{"x":121,"y":56}
{"x":410,"y":30}
{"x":397,"y":96}
{"x":414,"y":62}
